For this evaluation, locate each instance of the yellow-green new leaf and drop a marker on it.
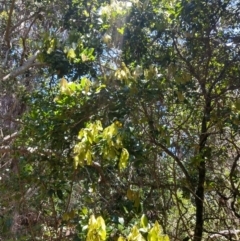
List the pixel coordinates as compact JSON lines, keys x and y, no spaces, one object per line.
{"x":64,"y":88}
{"x":86,"y":84}
{"x":71,"y":54}
{"x":91,"y":222}
{"x":101,"y":228}
{"x":96,"y":229}
{"x":75,"y":162}
{"x":144,"y":221}
{"x":135,"y":235}
{"x":123,"y":159}
{"x":131,"y":195}
{"x":121,"y":238}
{"x":155,"y":234}
{"x":110,"y":131}
{"x":89,"y":157}
{"x":84,"y":57}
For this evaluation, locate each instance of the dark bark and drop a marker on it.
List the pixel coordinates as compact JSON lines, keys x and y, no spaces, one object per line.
{"x":199,"y":194}
{"x":199,"y":201}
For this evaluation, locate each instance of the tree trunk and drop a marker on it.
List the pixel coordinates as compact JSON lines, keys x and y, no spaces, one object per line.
{"x":204,"y":154}
{"x":199,"y":201}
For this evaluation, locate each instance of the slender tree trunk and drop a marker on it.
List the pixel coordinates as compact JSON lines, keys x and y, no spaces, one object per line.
{"x":199,"y":201}
{"x":204,"y":154}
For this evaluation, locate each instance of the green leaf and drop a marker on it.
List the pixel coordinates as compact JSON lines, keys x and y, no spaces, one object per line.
{"x":237,"y":104}
{"x":144,"y":221}
{"x":121,"y":30}
{"x":65,"y":217}
{"x":60,"y":194}
{"x":84,"y":211}
{"x":180,"y":96}
{"x":51,"y":192}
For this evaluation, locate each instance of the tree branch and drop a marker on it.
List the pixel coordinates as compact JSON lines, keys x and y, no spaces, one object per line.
{"x":7,"y":33}
{"x":225,"y":233}
{"x":165,"y":149}
{"x":9,"y":137}
{"x":29,"y":63}
{"x":32,"y":150}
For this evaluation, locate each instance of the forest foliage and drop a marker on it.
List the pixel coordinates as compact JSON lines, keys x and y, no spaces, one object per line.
{"x":119,"y":120}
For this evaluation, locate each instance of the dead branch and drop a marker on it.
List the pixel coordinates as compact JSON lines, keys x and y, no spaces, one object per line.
{"x":225,"y":233}
{"x":29,"y":63}
{"x":9,"y":137}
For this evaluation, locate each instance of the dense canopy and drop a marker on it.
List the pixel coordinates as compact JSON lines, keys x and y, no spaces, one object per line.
{"x":119,"y":120}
